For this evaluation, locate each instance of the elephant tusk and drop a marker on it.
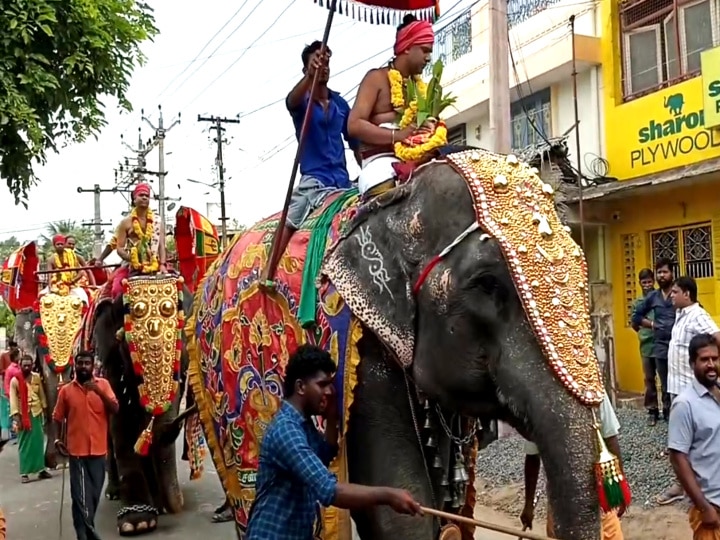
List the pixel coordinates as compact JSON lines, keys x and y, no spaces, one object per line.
{"x":187,"y":412}
{"x":485,"y":525}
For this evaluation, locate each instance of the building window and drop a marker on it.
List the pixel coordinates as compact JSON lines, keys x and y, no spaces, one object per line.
{"x":689,"y":249}
{"x":457,"y":135}
{"x":452,"y":41}
{"x":662,"y":41}
{"x":530,"y":120}
{"x":629,"y":245}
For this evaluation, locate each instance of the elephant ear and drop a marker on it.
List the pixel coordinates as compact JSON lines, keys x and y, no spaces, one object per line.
{"x":367,"y":270}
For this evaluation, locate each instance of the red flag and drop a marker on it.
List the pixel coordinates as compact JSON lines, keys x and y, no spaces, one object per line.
{"x":197,"y":243}
{"x":18,"y":283}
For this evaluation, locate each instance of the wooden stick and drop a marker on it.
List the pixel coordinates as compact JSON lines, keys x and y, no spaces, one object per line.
{"x":75,"y":269}
{"x":486,"y":525}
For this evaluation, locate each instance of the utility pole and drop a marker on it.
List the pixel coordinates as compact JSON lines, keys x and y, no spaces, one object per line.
{"x":97,"y":221}
{"x":159,"y":141}
{"x":499,"y":77}
{"x":219,"y":130}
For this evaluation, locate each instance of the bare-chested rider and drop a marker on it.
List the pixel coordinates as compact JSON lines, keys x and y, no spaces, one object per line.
{"x":137,"y":240}
{"x":373,"y":120}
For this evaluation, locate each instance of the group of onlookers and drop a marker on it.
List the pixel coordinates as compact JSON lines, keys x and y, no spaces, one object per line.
{"x":81,"y":415}
{"x":679,"y":343}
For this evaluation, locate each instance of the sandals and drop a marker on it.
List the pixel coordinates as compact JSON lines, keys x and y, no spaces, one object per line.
{"x":223,"y":517}
{"x":44,"y":475}
{"x":25,"y":479}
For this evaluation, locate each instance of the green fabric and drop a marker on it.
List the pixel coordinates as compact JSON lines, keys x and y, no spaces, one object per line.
{"x":4,"y":410}
{"x":31,"y":447}
{"x":314,"y":257}
{"x":645,"y":335}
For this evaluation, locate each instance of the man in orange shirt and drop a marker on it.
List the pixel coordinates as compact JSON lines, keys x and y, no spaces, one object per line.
{"x":85,"y":404}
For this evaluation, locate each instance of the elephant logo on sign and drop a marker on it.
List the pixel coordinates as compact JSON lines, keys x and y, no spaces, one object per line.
{"x":674,"y":104}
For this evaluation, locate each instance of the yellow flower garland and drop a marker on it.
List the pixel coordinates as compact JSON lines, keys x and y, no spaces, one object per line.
{"x":414,"y":153}
{"x":144,"y":267}
{"x":397,"y":97}
{"x":62,"y":280}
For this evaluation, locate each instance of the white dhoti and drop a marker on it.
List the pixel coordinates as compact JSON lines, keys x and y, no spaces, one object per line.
{"x":378,"y":168}
{"x":75,"y":291}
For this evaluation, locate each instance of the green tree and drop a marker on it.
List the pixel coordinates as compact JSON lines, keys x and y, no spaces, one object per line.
{"x":57,"y":60}
{"x":7,"y":319}
{"x":83,"y":235}
{"x":7,"y":246}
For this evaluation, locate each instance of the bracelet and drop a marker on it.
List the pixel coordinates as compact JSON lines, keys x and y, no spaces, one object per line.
{"x":652,"y":325}
{"x":393,"y":136}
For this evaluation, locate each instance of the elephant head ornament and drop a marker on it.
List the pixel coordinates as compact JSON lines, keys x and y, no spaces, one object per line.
{"x":60,"y":317}
{"x":153,"y":325}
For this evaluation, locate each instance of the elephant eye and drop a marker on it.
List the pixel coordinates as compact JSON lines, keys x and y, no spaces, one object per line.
{"x":487,"y":282}
{"x":139,"y":310}
{"x":167,"y":308}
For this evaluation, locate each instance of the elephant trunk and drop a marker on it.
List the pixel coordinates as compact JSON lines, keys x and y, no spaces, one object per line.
{"x":562,"y":429}
{"x":165,"y":461}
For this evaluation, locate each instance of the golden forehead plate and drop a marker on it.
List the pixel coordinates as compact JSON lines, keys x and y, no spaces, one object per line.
{"x":517,"y":209}
{"x":61,"y":317}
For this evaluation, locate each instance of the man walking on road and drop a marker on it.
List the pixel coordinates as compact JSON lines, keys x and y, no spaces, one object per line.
{"x":85,"y":405}
{"x":645,"y":337}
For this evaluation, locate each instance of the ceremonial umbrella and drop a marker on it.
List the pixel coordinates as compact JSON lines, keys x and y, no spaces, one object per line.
{"x":371,"y":11}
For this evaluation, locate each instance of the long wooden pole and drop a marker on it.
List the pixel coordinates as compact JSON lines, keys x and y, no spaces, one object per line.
{"x":500,"y":138}
{"x":75,"y":269}
{"x":274,"y":255}
{"x":486,"y":525}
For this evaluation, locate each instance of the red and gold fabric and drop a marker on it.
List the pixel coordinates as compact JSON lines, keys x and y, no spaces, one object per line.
{"x":18,"y":282}
{"x":240,"y":338}
{"x":197,"y":243}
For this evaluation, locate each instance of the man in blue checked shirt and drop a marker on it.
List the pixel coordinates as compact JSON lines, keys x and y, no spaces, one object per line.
{"x":292,"y":474}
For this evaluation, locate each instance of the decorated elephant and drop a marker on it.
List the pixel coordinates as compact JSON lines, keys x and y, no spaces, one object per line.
{"x":138,"y":341}
{"x":450,"y":302}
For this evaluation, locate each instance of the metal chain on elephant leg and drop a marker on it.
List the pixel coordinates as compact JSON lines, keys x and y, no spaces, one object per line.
{"x":413,"y":413}
{"x":137,"y":509}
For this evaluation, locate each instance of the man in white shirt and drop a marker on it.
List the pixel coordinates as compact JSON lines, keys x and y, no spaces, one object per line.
{"x":690,"y":320}
{"x":609,"y":429}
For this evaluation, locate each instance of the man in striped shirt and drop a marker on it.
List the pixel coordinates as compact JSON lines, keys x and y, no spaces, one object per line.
{"x":690,"y":320}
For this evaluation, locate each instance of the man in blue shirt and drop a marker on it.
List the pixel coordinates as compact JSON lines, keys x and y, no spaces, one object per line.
{"x":323,"y":167}
{"x":658,"y":303}
{"x":292,"y":474}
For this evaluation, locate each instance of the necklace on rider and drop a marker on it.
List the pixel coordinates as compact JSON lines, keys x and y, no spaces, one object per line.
{"x":142,"y":248}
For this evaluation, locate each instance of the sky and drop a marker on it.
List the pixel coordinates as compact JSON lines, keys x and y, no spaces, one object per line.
{"x":214,"y":58}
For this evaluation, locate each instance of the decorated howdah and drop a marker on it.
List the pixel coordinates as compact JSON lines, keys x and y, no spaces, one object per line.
{"x":254,"y":331}
{"x":60,"y":318}
{"x":154,"y":320}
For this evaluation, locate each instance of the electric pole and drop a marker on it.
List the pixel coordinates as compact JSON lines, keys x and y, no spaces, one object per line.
{"x":499,"y":77}
{"x":97,"y":221}
{"x":159,"y":141}
{"x":219,"y":130}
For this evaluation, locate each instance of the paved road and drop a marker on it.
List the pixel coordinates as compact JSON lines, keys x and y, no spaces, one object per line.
{"x":33,"y":510}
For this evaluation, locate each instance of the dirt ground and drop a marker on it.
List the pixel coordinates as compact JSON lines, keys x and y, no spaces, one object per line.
{"x":503,"y":506}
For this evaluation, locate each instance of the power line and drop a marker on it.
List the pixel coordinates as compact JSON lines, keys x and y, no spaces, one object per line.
{"x":218,"y":47}
{"x":203,"y":48}
{"x":226,"y":70}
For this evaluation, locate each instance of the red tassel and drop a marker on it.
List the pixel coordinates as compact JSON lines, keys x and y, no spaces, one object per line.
{"x":627,"y":495}
{"x":142,"y":446}
{"x":604,"y":505}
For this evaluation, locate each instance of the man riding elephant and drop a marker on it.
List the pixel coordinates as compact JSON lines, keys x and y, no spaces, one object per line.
{"x":135,"y":328}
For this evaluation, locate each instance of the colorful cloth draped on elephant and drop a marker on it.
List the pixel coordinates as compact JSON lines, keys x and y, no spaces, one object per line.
{"x":255,"y":331}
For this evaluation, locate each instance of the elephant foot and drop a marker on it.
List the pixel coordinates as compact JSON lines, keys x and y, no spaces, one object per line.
{"x":112,"y":492}
{"x":137,"y":519}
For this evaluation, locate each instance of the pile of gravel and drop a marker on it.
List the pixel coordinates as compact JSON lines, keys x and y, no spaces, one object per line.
{"x":648,"y":469}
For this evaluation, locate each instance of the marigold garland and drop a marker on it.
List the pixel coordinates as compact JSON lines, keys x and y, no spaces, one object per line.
{"x":143,"y":247}
{"x":397,"y":96}
{"x":414,"y":153}
{"x":61,"y":281}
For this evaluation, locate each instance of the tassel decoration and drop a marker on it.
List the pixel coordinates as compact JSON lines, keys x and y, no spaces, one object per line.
{"x":142,"y":446}
{"x":612,"y":485}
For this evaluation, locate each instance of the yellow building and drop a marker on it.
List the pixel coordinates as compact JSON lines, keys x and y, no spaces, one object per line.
{"x":662,"y":145}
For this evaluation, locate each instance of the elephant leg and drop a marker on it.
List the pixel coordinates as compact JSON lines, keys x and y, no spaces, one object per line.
{"x":112,"y":491}
{"x":138,"y":513}
{"x":382,"y":432}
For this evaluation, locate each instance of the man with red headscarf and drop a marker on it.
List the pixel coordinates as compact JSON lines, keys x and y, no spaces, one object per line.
{"x":67,"y":281}
{"x":374,"y":116}
{"x":137,"y":240}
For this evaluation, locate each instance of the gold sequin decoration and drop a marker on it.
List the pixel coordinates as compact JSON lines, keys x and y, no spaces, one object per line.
{"x":152,"y":303}
{"x":547,"y":266}
{"x":61,"y":317}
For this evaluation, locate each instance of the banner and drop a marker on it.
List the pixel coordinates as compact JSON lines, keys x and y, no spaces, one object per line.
{"x":197,"y":242}
{"x":710,"y":62}
{"x":18,"y":283}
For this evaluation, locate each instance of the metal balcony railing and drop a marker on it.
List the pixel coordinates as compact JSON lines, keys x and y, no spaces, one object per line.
{"x":453,"y":41}
{"x":522,"y":10}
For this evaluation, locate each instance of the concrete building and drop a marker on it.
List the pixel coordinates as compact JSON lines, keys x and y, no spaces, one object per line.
{"x":661,"y":103}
